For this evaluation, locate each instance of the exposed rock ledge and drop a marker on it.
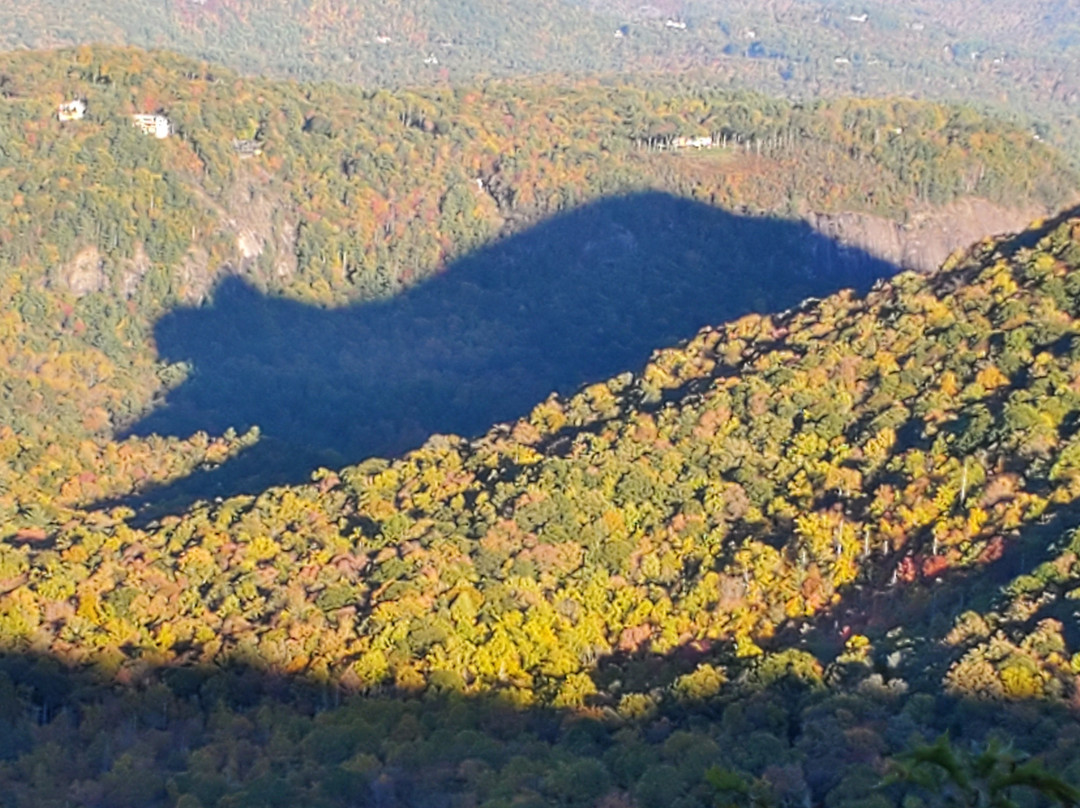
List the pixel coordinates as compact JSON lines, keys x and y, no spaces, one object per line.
{"x":929,"y":236}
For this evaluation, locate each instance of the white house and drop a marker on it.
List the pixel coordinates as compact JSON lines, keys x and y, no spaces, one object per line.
{"x":702,"y":142}
{"x":74,"y":110}
{"x":247,"y":148}
{"x":156,"y":125}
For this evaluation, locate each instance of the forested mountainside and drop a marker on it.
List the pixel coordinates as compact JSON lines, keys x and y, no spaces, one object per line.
{"x":1013,"y":43}
{"x":1011,"y":54}
{"x":751,"y":568}
{"x":327,"y":195}
{"x":788,"y":549}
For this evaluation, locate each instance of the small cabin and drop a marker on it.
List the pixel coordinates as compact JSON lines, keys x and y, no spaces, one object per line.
{"x":701,"y":142}
{"x":247,"y":148}
{"x":156,"y":125}
{"x":74,"y":110}
{"x":678,"y":25}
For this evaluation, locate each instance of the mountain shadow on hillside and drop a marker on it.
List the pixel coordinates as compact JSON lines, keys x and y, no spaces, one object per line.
{"x":578,"y":298}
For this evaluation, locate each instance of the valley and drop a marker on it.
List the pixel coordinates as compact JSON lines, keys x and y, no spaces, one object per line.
{"x":535,"y":441}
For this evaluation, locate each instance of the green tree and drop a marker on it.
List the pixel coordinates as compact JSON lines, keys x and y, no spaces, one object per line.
{"x":985,"y":778}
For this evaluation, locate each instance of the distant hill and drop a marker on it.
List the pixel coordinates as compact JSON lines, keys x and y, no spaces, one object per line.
{"x":388,"y":42}
{"x":1015,"y":55}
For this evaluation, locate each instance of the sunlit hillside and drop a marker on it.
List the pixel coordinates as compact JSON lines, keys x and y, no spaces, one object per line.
{"x":537,"y":442}
{"x":788,"y":549}
{"x":332,"y":196}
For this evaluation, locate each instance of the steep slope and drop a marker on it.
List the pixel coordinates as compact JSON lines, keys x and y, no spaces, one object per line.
{"x":359,"y":196}
{"x":788,"y":547}
{"x":741,"y":480}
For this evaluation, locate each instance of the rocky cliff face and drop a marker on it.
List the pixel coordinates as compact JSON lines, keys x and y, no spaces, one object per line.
{"x":258,"y":221}
{"x":929,"y":236}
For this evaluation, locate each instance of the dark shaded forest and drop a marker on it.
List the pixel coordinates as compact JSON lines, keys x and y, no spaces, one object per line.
{"x":577,"y":299}
{"x":813,"y":720}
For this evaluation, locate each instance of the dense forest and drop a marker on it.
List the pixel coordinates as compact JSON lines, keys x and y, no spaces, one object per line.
{"x":355,"y":196}
{"x":788,"y":550}
{"x":760,"y":515}
{"x":1022,"y":56}
{"x":794,"y":46}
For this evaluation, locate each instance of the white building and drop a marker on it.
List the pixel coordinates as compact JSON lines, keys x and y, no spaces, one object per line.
{"x":247,"y":148}
{"x":74,"y":110}
{"x":156,"y":125}
{"x":702,"y":142}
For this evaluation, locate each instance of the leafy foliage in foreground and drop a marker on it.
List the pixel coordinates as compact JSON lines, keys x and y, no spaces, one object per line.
{"x":988,"y":777}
